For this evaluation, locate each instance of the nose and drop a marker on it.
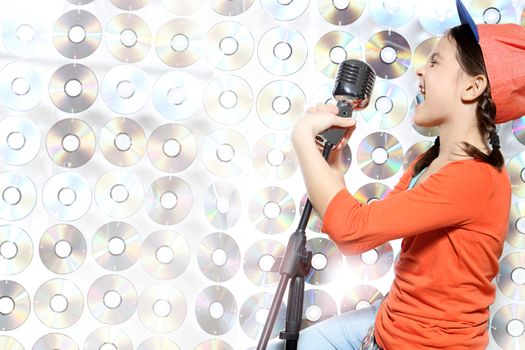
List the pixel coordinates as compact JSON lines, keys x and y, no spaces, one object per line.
{"x":420,"y":71}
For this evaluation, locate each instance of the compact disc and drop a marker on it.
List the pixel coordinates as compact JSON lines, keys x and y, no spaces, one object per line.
{"x":388,"y":106}
{"x":116,"y":246}
{"x":219,"y":257}
{"x":322,"y":94}
{"x":392,"y":13}
{"x":516,"y":232}
{"x":516,"y":169}
{"x":125,"y":89}
{"x":158,"y":343}
{"x":518,"y":128}
{"x":18,"y":196}
{"x":77,"y":34}
{"x":422,"y":52}
{"x":511,"y":276}
{"x":128,"y":37}
{"x":326,"y":261}
{"x":183,"y":8}
{"x":341,"y":13}
{"x":216,"y":310}
{"x":225,"y":152}
{"x":231,"y":7}
{"x":16,"y":250}
{"x":21,"y":87}
{"x":271,"y":210}
{"x":371,"y":192}
{"x":228,"y":99}
{"x":62,"y":249}
{"x":179,"y":42}
{"x":55,"y":341}
{"x":18,"y":302}
{"x":333,"y":48}
{"x":79,"y":2}
{"x":119,"y":193}
{"x":380,"y":155}
{"x":172,"y":147}
{"x":389,"y":54}
{"x":259,"y":259}
{"x":228,"y":45}
{"x":177,"y":95}
{"x":284,"y":10}
{"x":360,"y":296}
{"x":111,"y":337}
{"x":19,"y":140}
{"x":429,"y":132}
{"x":251,"y":315}
{"x":415,"y":151}
{"x":372,"y":264}
{"x":73,"y":88}
{"x":9,"y":343}
{"x":507,"y":327}
{"x":214,"y":344}
{"x":130,"y":5}
{"x":318,"y":306}
{"x":70,"y":143}
{"x":66,"y":196}
{"x":23,"y":34}
{"x":273,"y":157}
{"x":165,"y":254}
{"x":281,"y":104}
{"x":122,"y":141}
{"x":112,"y":299}
{"x":437,"y":17}
{"x":222,"y":205}
{"x":314,"y":221}
{"x":162,"y":308}
{"x":282,"y":50}
{"x":169,"y":200}
{"x":493,"y":11}
{"x":58,"y":303}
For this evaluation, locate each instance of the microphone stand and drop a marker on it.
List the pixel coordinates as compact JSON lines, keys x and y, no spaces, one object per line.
{"x":294,"y":267}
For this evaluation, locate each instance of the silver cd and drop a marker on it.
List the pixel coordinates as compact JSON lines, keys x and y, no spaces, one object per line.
{"x":66,"y":196}
{"x":23,"y":34}
{"x":116,"y":246}
{"x":165,"y":254}
{"x":228,"y":99}
{"x":251,"y":324}
{"x":130,"y":5}
{"x":273,"y":157}
{"x":327,"y":261}
{"x":510,"y":278}
{"x":128,"y":37}
{"x":493,"y":11}
{"x":62,"y":249}
{"x":17,"y":305}
{"x":280,"y":104}
{"x":392,"y":13}
{"x":516,"y":232}
{"x":360,"y":296}
{"x":79,"y":2}
{"x":271,"y":210}
{"x":341,"y":13}
{"x":215,"y":344}
{"x":282,"y":51}
{"x":216,"y":310}
{"x":169,"y":200}
{"x":55,"y":341}
{"x":284,"y":10}
{"x":179,"y":42}
{"x":119,"y":193}
{"x":158,"y":343}
{"x":222,"y":205}
{"x":219,"y":257}
{"x":380,"y":155}
{"x":415,"y":151}
{"x":228,"y":45}
{"x":172,"y":147}
{"x":111,"y":337}
{"x":19,"y":140}
{"x":437,"y":17}
{"x":372,"y":264}
{"x":507,"y":327}
{"x":21,"y":86}
{"x":183,"y":8}
{"x":122,"y":141}
{"x":73,"y":88}
{"x":177,"y":95}
{"x":18,"y":196}
{"x":16,"y":250}
{"x":112,"y":299}
{"x":9,"y":343}
{"x":225,"y":152}
{"x":125,"y":89}
{"x":162,"y":308}
{"x":231,"y":7}
{"x":58,"y":303}
{"x":318,"y":306}
{"x":372,"y":191}
{"x":332,"y":49}
{"x":259,"y":259}
{"x":70,"y":143}
{"x":77,"y":34}
{"x":388,"y":106}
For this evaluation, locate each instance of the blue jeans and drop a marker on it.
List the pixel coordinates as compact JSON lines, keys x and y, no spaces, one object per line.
{"x":342,"y":332}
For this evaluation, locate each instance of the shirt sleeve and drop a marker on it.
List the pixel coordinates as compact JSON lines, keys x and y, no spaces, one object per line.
{"x":453,"y":196}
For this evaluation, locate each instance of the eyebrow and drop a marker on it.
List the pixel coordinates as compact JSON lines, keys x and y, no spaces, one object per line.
{"x":435,"y":55}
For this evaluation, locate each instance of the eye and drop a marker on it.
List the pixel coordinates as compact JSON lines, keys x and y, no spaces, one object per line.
{"x":432,"y":62}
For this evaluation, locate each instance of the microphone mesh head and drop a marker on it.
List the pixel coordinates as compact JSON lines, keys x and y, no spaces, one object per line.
{"x":354,"y":83}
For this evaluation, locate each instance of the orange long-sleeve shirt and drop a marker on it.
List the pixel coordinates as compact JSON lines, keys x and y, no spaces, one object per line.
{"x":453,"y":227}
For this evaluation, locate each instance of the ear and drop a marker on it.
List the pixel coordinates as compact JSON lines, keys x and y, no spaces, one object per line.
{"x":474,"y":87}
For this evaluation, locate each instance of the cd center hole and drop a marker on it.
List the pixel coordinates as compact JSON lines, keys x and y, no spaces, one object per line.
{"x":319,"y":261}
{"x":515,"y":328}
{"x":73,"y":88}
{"x":171,"y":148}
{"x":282,"y":50}
{"x":71,"y":143}
{"x":12,"y":195}
{"x":7,"y":305}
{"x":122,"y":142}
{"x":313,"y":313}
{"x":518,"y":276}
{"x":337,"y":54}
{"x":219,"y":257}
{"x":8,"y":250}
{"x":164,"y":254}
{"x":384,"y":105}
{"x":225,"y":152}
{"x":370,"y":257}
{"x":119,"y":193}
{"x":16,"y":140}
{"x":379,"y":155}
{"x":266,"y":262}
{"x":261,"y":315}
{"x":58,"y":303}
{"x":25,"y":33}
{"x":522,"y":175}
{"x":388,"y":55}
{"x":67,"y":196}
{"x":20,"y":86}
{"x":180,"y":42}
{"x":491,"y":15}
{"x":275,"y":157}
{"x":223,"y":205}
{"x":281,"y":105}
{"x":177,"y":96}
{"x":108,"y":346}
{"x":361,"y":304}
{"x":76,"y":34}
{"x":228,"y":45}
{"x":116,"y":246}
{"x":216,"y":310}
{"x":63,"y":249}
{"x":520,"y":225}
{"x":162,"y":308}
{"x":125,"y":89}
{"x":112,"y":299}
{"x":168,"y":200}
{"x":228,"y":99}
{"x":271,"y":210}
{"x":128,"y":37}
{"x":341,"y":5}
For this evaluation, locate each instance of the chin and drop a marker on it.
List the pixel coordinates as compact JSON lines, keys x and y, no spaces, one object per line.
{"x":423,"y":121}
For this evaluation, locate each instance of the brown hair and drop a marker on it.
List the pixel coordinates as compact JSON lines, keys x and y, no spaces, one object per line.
{"x":470,"y":58}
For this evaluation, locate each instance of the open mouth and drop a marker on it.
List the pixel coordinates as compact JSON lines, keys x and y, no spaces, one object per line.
{"x":420,"y":98}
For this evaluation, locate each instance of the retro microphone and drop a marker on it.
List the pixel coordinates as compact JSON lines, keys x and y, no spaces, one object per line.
{"x":353,"y":87}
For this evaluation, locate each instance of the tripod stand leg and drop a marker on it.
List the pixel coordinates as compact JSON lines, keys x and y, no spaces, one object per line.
{"x":294,"y":313}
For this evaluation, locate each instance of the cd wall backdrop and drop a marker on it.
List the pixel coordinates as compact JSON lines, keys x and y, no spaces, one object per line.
{"x":147,"y":177}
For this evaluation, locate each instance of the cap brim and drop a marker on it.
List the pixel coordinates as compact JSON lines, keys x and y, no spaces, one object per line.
{"x":465,"y":18}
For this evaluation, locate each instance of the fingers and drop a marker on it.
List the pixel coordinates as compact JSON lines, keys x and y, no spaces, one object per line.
{"x":323,"y":107}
